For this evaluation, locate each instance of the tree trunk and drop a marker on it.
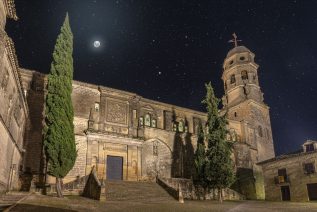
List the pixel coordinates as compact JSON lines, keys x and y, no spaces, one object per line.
{"x":204,"y":193}
{"x":220,"y":195}
{"x":59,"y":187}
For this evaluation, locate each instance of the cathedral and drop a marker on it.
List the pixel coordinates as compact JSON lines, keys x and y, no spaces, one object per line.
{"x":126,"y":136}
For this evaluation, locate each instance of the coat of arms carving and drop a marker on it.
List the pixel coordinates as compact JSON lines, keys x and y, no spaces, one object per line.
{"x":116,"y":112}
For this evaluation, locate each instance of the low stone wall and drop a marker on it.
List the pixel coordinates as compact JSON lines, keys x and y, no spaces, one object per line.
{"x":93,"y":186}
{"x":189,"y":191}
{"x":172,"y":191}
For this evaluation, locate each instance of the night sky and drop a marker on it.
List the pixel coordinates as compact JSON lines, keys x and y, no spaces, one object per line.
{"x":166,"y":50}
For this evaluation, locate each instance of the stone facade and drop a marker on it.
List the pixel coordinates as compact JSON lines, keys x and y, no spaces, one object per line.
{"x":110,"y":122}
{"x":13,"y":107}
{"x":292,"y":176}
{"x":153,"y":138}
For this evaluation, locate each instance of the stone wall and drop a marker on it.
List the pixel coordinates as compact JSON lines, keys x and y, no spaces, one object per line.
{"x":190,"y":191}
{"x":34,"y":82}
{"x":13,"y":107}
{"x":297,"y":179}
{"x":92,"y":188}
{"x":79,"y":169}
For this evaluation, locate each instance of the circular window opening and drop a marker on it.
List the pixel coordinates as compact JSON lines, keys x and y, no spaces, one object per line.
{"x":242,"y":58}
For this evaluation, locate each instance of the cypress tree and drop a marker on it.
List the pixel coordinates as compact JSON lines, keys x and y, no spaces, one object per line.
{"x":219,"y":171}
{"x":200,"y":160}
{"x":59,"y":139}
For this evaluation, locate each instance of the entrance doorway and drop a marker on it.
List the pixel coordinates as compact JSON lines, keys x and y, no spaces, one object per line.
{"x":114,"y":167}
{"x":286,"y":194}
{"x":312,"y":191}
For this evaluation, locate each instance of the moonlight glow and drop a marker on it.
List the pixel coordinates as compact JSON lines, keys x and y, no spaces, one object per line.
{"x":96,"y":44}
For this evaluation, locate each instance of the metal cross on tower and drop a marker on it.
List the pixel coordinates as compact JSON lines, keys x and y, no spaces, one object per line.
{"x":234,"y":40}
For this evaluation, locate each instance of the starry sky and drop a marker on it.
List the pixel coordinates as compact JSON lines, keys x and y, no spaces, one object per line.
{"x":166,"y":50}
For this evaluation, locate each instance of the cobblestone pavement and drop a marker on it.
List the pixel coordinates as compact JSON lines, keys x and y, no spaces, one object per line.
{"x":76,"y":203}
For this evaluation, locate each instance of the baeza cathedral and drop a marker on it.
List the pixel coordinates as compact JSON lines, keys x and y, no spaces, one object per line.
{"x":126,"y":136}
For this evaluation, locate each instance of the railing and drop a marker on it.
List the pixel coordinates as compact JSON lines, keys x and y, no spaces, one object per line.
{"x":281,"y":179}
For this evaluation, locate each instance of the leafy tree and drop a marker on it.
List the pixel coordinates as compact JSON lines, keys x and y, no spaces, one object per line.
{"x":200,"y":160}
{"x":59,"y":139}
{"x":219,"y":171}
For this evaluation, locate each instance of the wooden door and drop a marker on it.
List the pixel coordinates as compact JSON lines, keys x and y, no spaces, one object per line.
{"x":114,"y":167}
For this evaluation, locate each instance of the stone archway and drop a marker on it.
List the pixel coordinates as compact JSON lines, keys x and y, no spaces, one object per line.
{"x":156,"y":159}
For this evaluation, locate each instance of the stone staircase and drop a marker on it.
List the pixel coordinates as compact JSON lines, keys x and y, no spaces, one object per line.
{"x":136,"y":191}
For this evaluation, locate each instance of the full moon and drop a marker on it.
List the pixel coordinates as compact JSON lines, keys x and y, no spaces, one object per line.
{"x":96,"y":43}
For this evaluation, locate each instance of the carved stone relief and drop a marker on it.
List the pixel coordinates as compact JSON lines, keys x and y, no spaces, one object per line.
{"x":116,"y":112}
{"x":116,"y":129}
{"x":115,"y":147}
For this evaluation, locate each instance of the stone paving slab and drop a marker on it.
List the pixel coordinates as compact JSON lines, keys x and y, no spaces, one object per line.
{"x":38,"y":202}
{"x":7,"y":200}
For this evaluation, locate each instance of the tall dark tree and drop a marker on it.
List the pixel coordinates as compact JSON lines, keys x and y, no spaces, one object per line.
{"x":59,"y":139}
{"x":200,"y":160}
{"x":219,"y":171}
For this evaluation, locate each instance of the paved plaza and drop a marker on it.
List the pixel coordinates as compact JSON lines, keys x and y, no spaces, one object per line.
{"x":36,"y":202}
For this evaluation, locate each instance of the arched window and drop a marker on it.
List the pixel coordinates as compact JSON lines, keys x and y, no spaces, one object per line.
{"x":141,"y":121}
{"x":232,"y":79}
{"x":260,"y":131}
{"x":181,"y":126}
{"x":235,"y":114}
{"x":153,"y":122}
{"x":147,"y":120}
{"x":244,"y":75}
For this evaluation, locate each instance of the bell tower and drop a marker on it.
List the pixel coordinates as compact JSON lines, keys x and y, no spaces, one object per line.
{"x":248,"y":115}
{"x":240,"y":77}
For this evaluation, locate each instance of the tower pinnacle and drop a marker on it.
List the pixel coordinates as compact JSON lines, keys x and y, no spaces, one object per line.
{"x":234,"y":40}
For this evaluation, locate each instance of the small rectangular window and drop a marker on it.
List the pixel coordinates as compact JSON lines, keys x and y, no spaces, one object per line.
{"x":309,"y":168}
{"x":155,"y":148}
{"x":282,"y":172}
{"x":309,"y":147}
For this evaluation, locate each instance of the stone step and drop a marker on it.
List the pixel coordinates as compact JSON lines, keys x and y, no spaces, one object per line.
{"x":135,"y":191}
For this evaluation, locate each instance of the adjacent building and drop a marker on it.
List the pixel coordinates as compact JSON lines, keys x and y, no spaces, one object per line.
{"x":292,"y":177}
{"x":13,"y":107}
